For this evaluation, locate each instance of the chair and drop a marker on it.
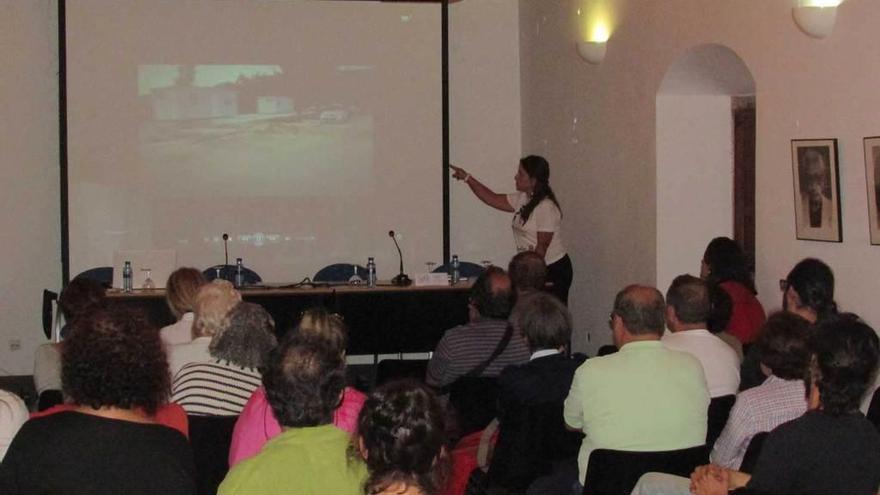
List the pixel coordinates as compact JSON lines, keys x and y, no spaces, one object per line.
{"x":615,"y":472}
{"x":719,"y":411}
{"x":873,"y":414}
{"x":474,"y":400}
{"x":465,"y":269}
{"x":51,"y":322}
{"x":397,"y":369}
{"x":210,"y":438}
{"x":339,"y":272}
{"x":753,"y":451}
{"x":227,"y":272}
{"x":101,"y":274}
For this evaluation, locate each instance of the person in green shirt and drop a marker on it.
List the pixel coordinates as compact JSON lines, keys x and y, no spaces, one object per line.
{"x":304,"y":383}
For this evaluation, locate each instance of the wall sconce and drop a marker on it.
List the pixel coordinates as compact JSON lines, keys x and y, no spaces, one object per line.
{"x":816,"y":17}
{"x":592,"y":51}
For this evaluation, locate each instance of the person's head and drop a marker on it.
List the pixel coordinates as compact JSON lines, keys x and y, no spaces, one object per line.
{"x":491,"y":295}
{"x":724,"y":261}
{"x":401,"y":436}
{"x":688,"y":303}
{"x":81,"y":296}
{"x":808,"y":290}
{"x":304,"y":382}
{"x":814,"y":172}
{"x":181,"y":289}
{"x":638,"y":314}
{"x":533,"y":177}
{"x":213,"y":303}
{"x":543,"y":320}
{"x":783,"y":345}
{"x":528,"y":272}
{"x":111,"y":358}
{"x":248,"y":339}
{"x":722,"y":309}
{"x":320,"y":325}
{"x":845,"y":353}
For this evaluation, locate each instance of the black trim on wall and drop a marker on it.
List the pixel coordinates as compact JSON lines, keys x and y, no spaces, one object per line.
{"x":444,"y":37}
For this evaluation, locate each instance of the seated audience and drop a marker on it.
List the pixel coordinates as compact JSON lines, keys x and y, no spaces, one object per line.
{"x":213,"y":303}
{"x":401,"y":437}
{"x":463,"y":348}
{"x":785,"y":358}
{"x":180,"y":295}
{"x":528,"y":273}
{"x":610,"y":395}
{"x":832,"y":449}
{"x":222,"y":384}
{"x":688,"y":306}
{"x":13,"y":414}
{"x":304,"y":382}
{"x":532,"y":437}
{"x":257,"y":423}
{"x":724,"y":264}
{"x":114,"y":368}
{"x":722,"y":307}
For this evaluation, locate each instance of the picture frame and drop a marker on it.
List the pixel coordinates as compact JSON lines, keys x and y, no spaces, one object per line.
{"x":816,"y":190}
{"x":872,"y":178}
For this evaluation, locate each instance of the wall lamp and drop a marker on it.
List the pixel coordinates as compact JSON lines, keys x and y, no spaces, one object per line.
{"x":816,"y":17}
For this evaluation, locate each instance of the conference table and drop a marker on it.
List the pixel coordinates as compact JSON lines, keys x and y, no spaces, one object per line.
{"x":382,"y":320}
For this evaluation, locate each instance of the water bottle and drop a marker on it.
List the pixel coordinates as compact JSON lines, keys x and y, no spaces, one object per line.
{"x":127,"y":277}
{"x":371,"y":272}
{"x":239,"y":273}
{"x":456,"y":274}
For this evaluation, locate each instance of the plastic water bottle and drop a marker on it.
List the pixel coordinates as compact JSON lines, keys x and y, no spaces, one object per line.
{"x":127,"y":277}
{"x":239,"y":273}
{"x":456,"y":274}
{"x":371,"y":272}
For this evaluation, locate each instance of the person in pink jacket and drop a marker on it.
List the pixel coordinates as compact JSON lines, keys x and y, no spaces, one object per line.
{"x":257,"y":423}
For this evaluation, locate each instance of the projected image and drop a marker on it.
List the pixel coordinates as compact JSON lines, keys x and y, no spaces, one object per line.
{"x":256,"y":130}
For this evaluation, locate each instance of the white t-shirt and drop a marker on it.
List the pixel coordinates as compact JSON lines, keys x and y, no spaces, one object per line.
{"x":546,"y":217}
{"x":179,"y":332}
{"x":719,"y":360}
{"x":13,"y":414}
{"x":180,"y":355}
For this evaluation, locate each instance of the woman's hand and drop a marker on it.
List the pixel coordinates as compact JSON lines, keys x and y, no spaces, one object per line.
{"x":458,"y":173}
{"x":709,"y":480}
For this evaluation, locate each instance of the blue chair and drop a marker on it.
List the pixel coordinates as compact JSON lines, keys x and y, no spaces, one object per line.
{"x":465,"y":269}
{"x":227,"y":272}
{"x":339,"y":272}
{"x":101,"y":274}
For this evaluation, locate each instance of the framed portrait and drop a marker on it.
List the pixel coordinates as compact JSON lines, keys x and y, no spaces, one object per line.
{"x":816,"y":189}
{"x":872,"y":175}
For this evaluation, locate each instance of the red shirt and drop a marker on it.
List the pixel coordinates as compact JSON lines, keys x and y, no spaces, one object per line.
{"x":747,"y":316}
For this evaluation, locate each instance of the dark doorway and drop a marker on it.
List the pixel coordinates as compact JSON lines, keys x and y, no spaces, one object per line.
{"x":744,"y":129}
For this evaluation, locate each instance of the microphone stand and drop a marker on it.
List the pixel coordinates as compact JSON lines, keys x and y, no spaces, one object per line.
{"x":401,"y":279}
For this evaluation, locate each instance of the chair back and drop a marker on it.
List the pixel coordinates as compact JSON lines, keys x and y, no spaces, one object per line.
{"x":227,"y":272}
{"x":873,"y":414}
{"x":210,"y":438}
{"x":398,"y":369}
{"x":474,"y":400}
{"x":719,"y":411}
{"x":753,"y":451}
{"x":101,"y":274}
{"x":465,"y":269}
{"x":615,"y":472}
{"x":50,"y":306}
{"x":339,"y":272}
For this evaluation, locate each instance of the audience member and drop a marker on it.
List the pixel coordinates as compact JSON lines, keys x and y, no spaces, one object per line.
{"x":719,"y":317}
{"x":688,"y":306}
{"x":465,"y":347}
{"x":725,"y":265}
{"x":528,"y":273}
{"x":114,"y":368}
{"x":609,"y":395}
{"x":808,"y":290}
{"x":532,"y":438}
{"x":222,"y":384}
{"x":213,"y":303}
{"x":401,"y":437}
{"x":830,"y":449}
{"x":257,"y":423}
{"x":180,"y":294}
{"x":13,"y":414}
{"x":304,"y":382}
{"x":785,"y":358}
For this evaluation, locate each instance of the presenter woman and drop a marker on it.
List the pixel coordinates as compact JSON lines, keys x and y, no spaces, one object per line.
{"x":536,"y":220}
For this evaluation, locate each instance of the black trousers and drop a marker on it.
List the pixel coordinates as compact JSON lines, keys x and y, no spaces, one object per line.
{"x":560,"y":273}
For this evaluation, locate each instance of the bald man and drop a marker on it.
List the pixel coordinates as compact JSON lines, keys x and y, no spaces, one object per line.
{"x":644,"y":397}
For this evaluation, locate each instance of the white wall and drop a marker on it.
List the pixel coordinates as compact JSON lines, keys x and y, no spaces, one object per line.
{"x":606,"y":167}
{"x":29,"y":226}
{"x":694,"y":180}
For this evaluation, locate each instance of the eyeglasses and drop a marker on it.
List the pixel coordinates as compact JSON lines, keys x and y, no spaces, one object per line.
{"x":783,"y":285}
{"x":611,"y":319}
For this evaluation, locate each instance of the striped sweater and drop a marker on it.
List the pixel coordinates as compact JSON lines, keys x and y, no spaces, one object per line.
{"x":214,"y":388}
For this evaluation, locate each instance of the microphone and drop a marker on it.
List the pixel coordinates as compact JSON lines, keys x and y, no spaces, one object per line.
{"x":401,"y":279}
{"x":226,"y":248}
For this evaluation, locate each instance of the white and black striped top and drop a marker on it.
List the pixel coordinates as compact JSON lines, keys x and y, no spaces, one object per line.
{"x":214,"y":388}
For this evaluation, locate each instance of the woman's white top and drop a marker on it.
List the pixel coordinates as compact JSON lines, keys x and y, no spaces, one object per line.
{"x":179,"y":332}
{"x":546,"y":217}
{"x":13,"y":414}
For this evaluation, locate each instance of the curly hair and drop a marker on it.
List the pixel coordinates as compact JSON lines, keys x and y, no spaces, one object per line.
{"x":213,"y":303}
{"x":320,"y":325}
{"x":402,"y":432}
{"x":113,"y":358}
{"x":248,"y":339}
{"x":181,"y":289}
{"x":783,"y":345}
{"x":845,"y":353}
{"x":81,"y":296}
{"x":304,"y":382}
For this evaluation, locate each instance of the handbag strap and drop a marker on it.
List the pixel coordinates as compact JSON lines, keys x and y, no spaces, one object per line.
{"x":502,"y":345}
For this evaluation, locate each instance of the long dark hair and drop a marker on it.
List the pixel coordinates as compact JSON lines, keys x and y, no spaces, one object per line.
{"x":537,"y":168}
{"x":728,"y":262}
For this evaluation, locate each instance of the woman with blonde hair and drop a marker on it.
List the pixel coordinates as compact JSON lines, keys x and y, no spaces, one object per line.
{"x":180,"y":294}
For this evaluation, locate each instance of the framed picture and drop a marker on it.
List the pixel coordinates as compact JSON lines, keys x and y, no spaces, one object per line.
{"x":816,"y":189}
{"x":872,"y":175}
